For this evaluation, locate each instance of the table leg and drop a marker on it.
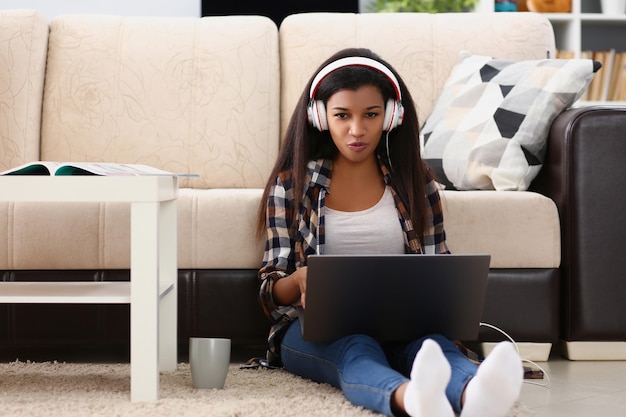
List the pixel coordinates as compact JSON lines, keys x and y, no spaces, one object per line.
{"x":168,"y":266}
{"x":144,"y":305}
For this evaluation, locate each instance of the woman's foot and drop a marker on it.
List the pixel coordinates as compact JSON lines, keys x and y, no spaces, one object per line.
{"x":425,"y":395}
{"x":497,"y":384}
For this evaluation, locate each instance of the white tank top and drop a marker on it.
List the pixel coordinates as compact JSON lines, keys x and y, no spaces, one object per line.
{"x":376,"y":230}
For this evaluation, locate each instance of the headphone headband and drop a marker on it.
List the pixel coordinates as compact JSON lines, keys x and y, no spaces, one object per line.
{"x":355,"y":61}
{"x":394,"y":111}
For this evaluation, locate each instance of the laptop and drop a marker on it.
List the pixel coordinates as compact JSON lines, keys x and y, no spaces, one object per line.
{"x":394,"y":298}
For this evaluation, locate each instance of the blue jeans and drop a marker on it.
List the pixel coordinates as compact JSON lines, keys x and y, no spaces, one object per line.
{"x":367,"y":372}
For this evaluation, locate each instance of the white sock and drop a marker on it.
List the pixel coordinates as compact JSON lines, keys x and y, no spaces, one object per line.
{"x":425,"y":396}
{"x":497,"y":384}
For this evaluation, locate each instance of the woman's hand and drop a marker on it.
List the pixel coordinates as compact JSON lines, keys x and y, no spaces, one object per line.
{"x":289,"y":289}
{"x":300,"y":277}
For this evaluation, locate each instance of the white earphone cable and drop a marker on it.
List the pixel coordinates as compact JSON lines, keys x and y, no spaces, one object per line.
{"x":387,"y":147}
{"x":547,"y":384}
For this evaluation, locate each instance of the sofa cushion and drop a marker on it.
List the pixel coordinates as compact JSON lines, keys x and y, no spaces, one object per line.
{"x":518,"y":229}
{"x":194,"y":95}
{"x":489,"y":127}
{"x":23,"y":49}
{"x":215,"y":230}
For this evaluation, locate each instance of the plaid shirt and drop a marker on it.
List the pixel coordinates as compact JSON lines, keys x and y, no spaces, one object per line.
{"x":285,"y":252}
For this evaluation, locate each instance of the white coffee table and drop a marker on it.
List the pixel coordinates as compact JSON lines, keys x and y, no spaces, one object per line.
{"x":152,"y":290}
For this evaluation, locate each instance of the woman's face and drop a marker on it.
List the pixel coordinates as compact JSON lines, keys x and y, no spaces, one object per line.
{"x":355,"y":122}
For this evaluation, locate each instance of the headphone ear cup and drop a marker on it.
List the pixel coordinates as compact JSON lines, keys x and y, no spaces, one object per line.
{"x":310,"y":110}
{"x":323,"y":118}
{"x":394,"y":113}
{"x":389,"y":115}
{"x":316,"y":113}
{"x":399,"y":113}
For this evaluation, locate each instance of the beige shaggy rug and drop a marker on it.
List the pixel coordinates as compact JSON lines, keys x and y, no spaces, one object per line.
{"x":53,"y":389}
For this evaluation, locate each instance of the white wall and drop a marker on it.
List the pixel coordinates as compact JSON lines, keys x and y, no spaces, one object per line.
{"x":52,"y":8}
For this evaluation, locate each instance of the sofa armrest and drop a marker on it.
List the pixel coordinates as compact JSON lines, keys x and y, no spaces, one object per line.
{"x":585,"y":174}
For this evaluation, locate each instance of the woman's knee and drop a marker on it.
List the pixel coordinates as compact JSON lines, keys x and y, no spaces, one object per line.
{"x":359,"y":347}
{"x":360,"y":342}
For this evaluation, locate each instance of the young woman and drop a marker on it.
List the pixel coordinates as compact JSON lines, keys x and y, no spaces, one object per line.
{"x":349,"y":179}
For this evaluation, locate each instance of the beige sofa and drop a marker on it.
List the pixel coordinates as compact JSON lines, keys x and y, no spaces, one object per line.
{"x":211,"y":96}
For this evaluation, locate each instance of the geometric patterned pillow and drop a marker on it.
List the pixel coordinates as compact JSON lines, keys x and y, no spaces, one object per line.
{"x":489,"y":127}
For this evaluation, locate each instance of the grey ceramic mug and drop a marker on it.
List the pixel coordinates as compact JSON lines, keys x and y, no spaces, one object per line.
{"x":209,"y":359}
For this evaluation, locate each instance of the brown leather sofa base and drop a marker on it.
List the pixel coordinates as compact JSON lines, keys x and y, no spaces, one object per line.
{"x":211,"y":303}
{"x":524,"y":303}
{"x":223,"y":303}
{"x":587,"y":179}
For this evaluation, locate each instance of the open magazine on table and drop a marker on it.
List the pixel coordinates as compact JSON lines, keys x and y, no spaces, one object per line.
{"x":88,"y":168}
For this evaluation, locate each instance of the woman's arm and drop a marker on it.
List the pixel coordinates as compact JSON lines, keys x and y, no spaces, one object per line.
{"x":281,"y":283}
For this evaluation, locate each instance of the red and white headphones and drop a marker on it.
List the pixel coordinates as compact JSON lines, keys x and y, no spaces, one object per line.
{"x":316,"y":112}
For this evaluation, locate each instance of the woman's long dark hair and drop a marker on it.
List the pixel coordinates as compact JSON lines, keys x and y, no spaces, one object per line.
{"x":303,"y":142}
